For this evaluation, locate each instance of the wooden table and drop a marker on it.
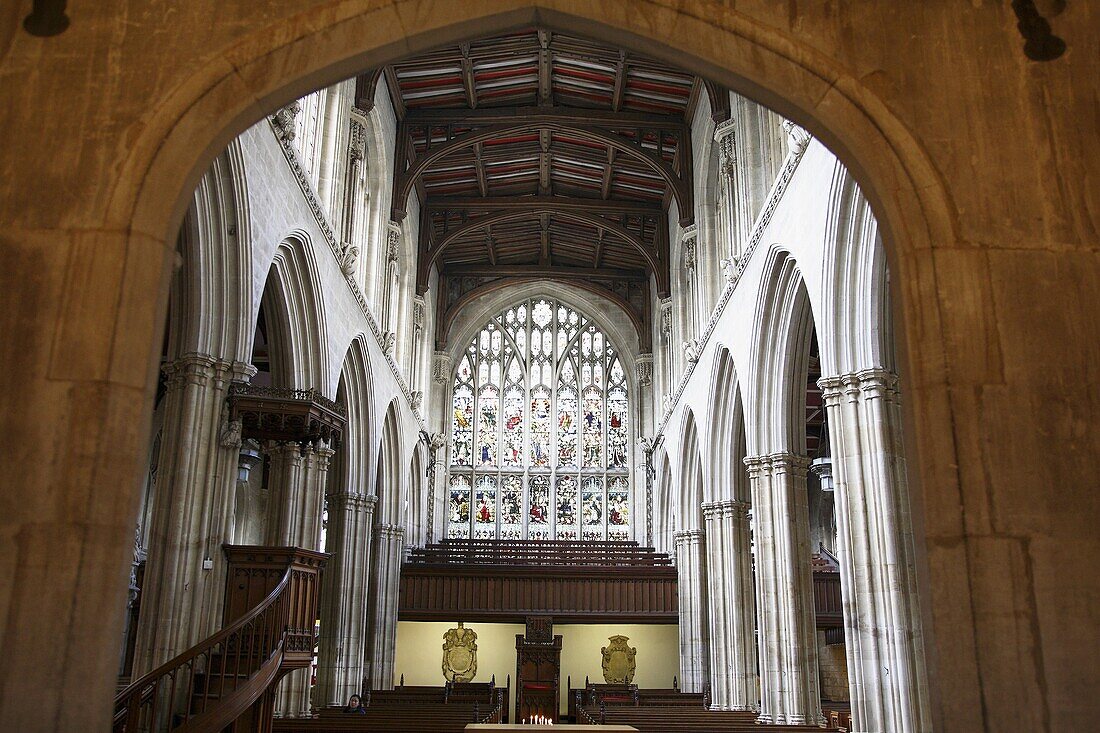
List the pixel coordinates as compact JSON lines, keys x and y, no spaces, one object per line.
{"x":568,"y":728}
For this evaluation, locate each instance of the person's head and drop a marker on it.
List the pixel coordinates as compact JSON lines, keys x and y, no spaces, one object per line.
{"x":353,"y":702}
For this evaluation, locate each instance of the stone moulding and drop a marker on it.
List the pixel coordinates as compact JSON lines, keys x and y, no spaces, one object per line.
{"x":341,"y":255}
{"x":779,"y":188}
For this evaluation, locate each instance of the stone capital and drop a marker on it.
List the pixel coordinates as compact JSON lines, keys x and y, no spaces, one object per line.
{"x":756,"y":465}
{"x":778,"y":462}
{"x":323,"y":456}
{"x":786,"y":462}
{"x":730,"y":508}
{"x":689,"y":536}
{"x":391,"y":532}
{"x":241,"y":371}
{"x":198,"y":369}
{"x":347,"y":500}
{"x":875,"y":383}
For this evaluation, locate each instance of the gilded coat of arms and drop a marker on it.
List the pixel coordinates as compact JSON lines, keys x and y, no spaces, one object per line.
{"x":618,"y":661}
{"x":460,"y":654}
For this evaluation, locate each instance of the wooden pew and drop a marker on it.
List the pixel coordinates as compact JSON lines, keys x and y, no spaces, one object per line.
{"x":662,"y":718}
{"x":411,"y":708}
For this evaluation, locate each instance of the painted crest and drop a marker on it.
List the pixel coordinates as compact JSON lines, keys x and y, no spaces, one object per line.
{"x":460,"y":654}
{"x":618,"y":661}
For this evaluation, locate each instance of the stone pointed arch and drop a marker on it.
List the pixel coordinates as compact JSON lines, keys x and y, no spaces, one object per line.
{"x":690,"y":475}
{"x":856,"y":329}
{"x":615,"y":321}
{"x":455,"y":312}
{"x":387,"y":545}
{"x":723,"y":468}
{"x":664,"y":505}
{"x":783,"y":326}
{"x":351,"y":506}
{"x":692,"y":578}
{"x":351,"y":466}
{"x":730,"y":583}
{"x":296,"y":321}
{"x":390,"y":488}
{"x":418,"y":527}
{"x":211,"y":304}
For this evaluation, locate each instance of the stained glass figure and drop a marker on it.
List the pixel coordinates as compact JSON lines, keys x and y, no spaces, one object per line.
{"x":511,"y":507}
{"x":540,"y":427}
{"x":566,"y":511}
{"x":618,"y":508}
{"x":538,"y":519}
{"x":592,"y":509}
{"x":485,"y":507}
{"x":458,"y":524}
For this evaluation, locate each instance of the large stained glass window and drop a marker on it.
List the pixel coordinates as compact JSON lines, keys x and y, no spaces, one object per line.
{"x":539,"y":432}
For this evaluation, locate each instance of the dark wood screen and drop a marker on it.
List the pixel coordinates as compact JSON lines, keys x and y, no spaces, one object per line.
{"x":508,"y":581}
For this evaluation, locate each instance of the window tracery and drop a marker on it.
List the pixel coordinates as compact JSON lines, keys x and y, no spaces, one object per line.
{"x":539,"y":430}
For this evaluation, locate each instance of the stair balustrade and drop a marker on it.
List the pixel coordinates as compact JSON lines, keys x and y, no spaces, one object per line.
{"x":227,"y":681}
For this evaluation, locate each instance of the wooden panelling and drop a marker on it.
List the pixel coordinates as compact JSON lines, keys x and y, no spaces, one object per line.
{"x":505,"y":582}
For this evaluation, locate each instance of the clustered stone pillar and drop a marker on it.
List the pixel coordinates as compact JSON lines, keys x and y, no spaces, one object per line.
{"x":342,"y":648}
{"x":299,"y":475}
{"x":789,"y":690}
{"x":717,"y":608}
{"x":691,"y":577}
{"x":193,"y":513}
{"x":882,"y":633}
{"x":391,"y":548}
{"x":732,"y":606}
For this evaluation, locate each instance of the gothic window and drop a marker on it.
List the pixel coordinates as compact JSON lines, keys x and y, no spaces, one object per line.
{"x":539,"y":432}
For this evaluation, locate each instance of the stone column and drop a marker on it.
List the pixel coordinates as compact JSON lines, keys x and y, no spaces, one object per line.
{"x":391,"y":546}
{"x":302,"y":475}
{"x":882,"y":632}
{"x":192,"y":511}
{"x":717,"y":605}
{"x":284,"y":493}
{"x":789,"y":690}
{"x":744,"y":680}
{"x":733,"y":620}
{"x":342,"y":647}
{"x":691,"y":582}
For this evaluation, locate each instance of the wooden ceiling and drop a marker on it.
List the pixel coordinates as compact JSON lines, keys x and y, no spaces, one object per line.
{"x":538,"y":154}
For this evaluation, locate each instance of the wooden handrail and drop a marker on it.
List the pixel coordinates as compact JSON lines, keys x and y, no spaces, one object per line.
{"x":495,"y":714}
{"x":237,"y":702}
{"x":138,"y":705}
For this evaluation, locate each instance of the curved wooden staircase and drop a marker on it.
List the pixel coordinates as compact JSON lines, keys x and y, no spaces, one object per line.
{"x":227,"y":681}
